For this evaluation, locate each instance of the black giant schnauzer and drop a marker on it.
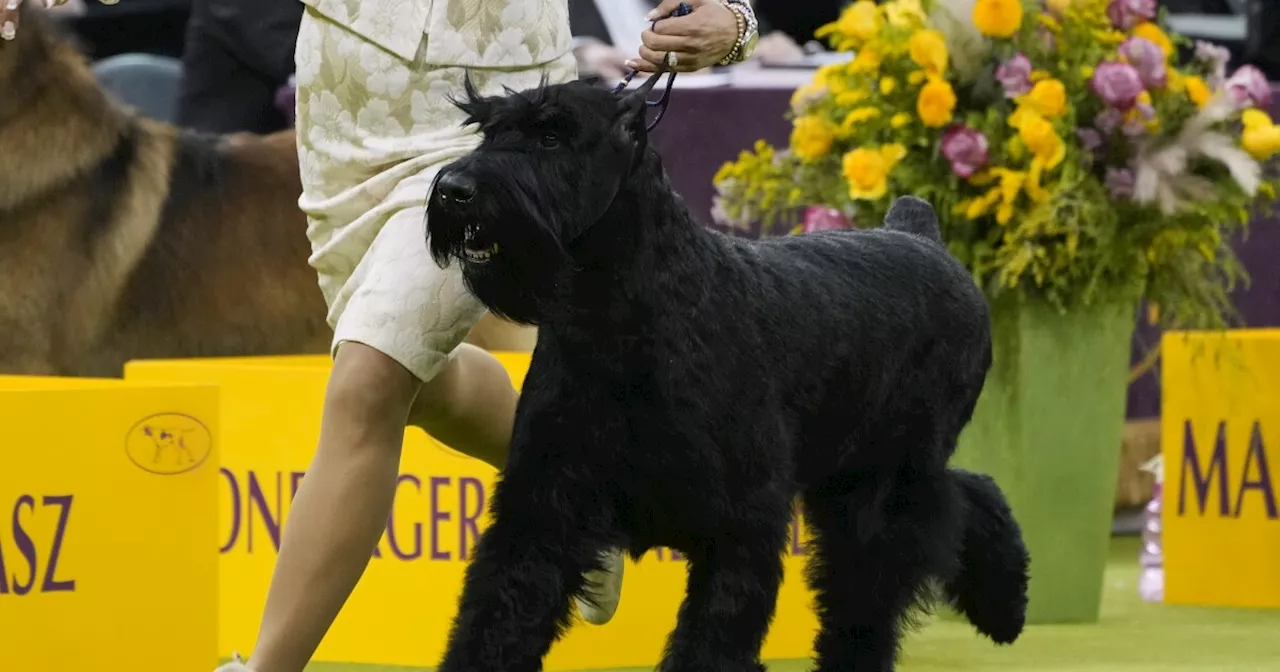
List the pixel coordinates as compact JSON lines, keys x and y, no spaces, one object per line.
{"x":688,"y":386}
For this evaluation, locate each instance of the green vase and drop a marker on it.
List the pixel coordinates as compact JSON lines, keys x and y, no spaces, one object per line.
{"x":1048,"y":428}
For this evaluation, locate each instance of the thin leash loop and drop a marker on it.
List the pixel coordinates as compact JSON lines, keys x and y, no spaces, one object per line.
{"x":661,"y":103}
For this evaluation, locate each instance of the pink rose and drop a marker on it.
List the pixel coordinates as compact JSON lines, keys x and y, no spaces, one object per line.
{"x":1117,"y":84}
{"x":1147,"y":57}
{"x":1249,"y":87}
{"x":1015,"y":75}
{"x":818,"y":218}
{"x":1126,"y":14}
{"x":966,"y":149}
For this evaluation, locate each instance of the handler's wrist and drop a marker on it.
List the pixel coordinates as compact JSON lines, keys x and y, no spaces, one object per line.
{"x":748,"y":31}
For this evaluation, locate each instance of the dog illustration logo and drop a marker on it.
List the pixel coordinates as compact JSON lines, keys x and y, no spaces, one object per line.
{"x":168,"y":444}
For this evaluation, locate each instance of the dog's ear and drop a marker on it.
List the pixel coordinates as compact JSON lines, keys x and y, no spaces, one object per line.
{"x":629,"y":121}
{"x":478,"y":108}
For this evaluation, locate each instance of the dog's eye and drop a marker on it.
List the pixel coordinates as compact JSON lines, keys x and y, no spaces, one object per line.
{"x":550,"y":140}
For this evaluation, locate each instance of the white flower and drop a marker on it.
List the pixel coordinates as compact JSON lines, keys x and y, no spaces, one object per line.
{"x":509,"y":47}
{"x":375,"y":119}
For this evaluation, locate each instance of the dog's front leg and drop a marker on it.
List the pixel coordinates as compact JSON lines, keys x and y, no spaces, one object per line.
{"x":516,"y":599}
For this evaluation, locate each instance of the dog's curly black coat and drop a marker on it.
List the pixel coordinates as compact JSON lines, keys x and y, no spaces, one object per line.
{"x":687,"y":387}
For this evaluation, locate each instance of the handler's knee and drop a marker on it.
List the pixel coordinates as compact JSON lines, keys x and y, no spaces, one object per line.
{"x":368,"y":399}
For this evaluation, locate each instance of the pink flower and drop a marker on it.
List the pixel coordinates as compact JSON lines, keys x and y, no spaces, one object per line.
{"x":1249,"y":87}
{"x":1117,"y":84}
{"x":1126,"y":14}
{"x":966,"y":149}
{"x":818,"y":218}
{"x":1147,"y":57}
{"x":1015,"y":75}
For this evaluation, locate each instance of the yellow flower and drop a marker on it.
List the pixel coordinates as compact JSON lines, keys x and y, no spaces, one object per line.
{"x":936,"y":103}
{"x":904,"y":13}
{"x":850,"y":98}
{"x":1048,"y":97}
{"x":887,"y":85}
{"x":997,"y":18}
{"x":858,"y":116}
{"x":1057,"y":6}
{"x":811,"y":137}
{"x":859,"y":22}
{"x":1261,"y":138}
{"x":1255,"y":118}
{"x":1041,"y":139}
{"x":899,"y":120}
{"x":1011,"y":182}
{"x":916,"y":77}
{"x":866,"y":60}
{"x":867,"y":170}
{"x":929,"y":50}
{"x":1152,"y":32}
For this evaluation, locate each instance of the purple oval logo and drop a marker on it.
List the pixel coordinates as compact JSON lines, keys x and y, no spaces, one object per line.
{"x":168,"y":444}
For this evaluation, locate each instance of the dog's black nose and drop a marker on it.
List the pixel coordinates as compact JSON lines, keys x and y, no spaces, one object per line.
{"x":456,"y":187}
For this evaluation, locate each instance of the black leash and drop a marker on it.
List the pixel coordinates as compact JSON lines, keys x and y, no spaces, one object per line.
{"x":682,"y":10}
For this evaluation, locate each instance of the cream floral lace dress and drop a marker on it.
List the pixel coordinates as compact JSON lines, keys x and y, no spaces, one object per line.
{"x":375,"y":125}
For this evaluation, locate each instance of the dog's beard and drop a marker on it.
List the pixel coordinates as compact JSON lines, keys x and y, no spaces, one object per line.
{"x":509,"y":251}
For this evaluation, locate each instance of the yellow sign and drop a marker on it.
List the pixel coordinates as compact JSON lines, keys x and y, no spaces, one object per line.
{"x":401,"y":612}
{"x":107,"y":511}
{"x":1221,"y":452}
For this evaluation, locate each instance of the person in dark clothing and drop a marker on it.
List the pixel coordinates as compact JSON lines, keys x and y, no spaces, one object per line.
{"x":800,"y":20}
{"x":238,"y":54}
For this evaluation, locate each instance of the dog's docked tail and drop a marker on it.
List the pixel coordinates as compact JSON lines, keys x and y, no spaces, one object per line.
{"x":910,"y":214}
{"x":990,"y":586}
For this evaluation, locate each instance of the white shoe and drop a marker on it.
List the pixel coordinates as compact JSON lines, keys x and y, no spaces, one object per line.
{"x":236,"y":665}
{"x":604,"y":590}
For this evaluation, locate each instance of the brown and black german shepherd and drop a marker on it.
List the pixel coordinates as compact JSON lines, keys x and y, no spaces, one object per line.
{"x":123,"y":238}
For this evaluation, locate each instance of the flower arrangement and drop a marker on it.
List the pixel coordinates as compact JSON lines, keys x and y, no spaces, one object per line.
{"x":1072,"y":153}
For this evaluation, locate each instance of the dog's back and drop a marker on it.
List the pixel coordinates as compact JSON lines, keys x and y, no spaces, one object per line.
{"x":126,"y":238}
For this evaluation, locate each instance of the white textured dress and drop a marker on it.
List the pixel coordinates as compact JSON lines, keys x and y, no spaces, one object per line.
{"x":374,"y":126}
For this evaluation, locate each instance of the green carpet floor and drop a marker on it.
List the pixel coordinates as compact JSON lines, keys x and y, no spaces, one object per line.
{"x":1133,"y":636}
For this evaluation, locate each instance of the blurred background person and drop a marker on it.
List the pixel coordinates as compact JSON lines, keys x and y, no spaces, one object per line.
{"x":237,"y":56}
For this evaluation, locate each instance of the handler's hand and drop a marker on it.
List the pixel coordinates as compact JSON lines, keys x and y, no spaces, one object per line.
{"x":696,"y":40}
{"x":9,"y":14}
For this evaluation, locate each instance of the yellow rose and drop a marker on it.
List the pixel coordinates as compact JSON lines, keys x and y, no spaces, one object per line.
{"x":867,"y":170}
{"x":1041,"y":139}
{"x":997,"y":18}
{"x":1048,"y":97}
{"x":929,"y":50}
{"x":936,"y":103}
{"x":811,"y":137}
{"x":1197,"y":90}
{"x":1152,"y":32}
